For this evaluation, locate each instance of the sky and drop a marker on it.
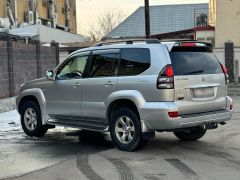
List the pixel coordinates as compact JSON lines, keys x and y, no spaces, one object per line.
{"x":88,"y":11}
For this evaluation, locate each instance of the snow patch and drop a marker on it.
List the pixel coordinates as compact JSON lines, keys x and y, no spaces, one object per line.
{"x":9,"y":121}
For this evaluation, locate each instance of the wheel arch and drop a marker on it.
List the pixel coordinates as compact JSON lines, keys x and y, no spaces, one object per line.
{"x":123,"y":98}
{"x":118,"y":103}
{"x":26,"y":99}
{"x":36,"y":95}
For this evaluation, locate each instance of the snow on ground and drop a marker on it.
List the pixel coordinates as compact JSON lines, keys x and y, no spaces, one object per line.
{"x":9,"y":121}
{"x":10,"y":124}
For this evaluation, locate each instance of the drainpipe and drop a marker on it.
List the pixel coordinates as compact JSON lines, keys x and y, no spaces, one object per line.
{"x":52,"y":12}
{"x":68,"y":15}
{"x":15,"y":12}
{"x":9,"y":14}
{"x":32,"y":7}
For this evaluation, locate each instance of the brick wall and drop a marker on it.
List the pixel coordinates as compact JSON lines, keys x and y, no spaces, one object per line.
{"x":24,"y":64}
{"x":47,"y":59}
{"x":4,"y":79}
{"x":26,"y":61}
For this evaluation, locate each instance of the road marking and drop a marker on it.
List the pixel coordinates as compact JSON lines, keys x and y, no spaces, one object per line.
{"x":122,"y":168}
{"x":84,"y":166}
{"x":183,"y":168}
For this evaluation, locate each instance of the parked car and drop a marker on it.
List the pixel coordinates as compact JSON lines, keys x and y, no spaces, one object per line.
{"x":131,"y":89}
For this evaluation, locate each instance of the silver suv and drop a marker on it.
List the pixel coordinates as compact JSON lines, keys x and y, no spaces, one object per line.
{"x":131,"y":89}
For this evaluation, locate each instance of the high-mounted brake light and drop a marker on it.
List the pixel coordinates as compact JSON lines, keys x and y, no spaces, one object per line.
{"x":165,"y":78}
{"x":188,"y":44}
{"x":192,"y":44}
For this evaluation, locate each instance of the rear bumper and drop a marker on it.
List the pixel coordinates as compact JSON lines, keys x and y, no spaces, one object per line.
{"x":154,"y":116}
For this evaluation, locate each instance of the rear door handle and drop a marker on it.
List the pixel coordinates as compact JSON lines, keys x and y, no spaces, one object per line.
{"x":109,"y":83}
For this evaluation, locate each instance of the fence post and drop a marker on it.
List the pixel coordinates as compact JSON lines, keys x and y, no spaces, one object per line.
{"x":56,"y":45}
{"x":39,"y":70}
{"x":236,"y":71}
{"x":229,"y":59}
{"x":10,"y":66}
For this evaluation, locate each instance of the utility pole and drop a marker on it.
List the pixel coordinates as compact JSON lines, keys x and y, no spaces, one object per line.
{"x":147,"y":19}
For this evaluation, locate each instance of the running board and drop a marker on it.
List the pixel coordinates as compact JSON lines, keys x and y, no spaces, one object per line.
{"x":100,"y":127}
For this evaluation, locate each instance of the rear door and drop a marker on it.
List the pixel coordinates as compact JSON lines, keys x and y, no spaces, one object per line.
{"x":199,"y":81}
{"x":99,"y":84}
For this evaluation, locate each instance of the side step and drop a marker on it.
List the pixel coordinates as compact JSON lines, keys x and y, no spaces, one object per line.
{"x":96,"y":126}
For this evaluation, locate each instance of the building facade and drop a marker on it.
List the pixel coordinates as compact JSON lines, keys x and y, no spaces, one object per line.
{"x":59,"y":14}
{"x":226,"y":18}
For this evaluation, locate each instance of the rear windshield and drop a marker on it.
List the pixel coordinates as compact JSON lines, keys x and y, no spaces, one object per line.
{"x":194,"y":63}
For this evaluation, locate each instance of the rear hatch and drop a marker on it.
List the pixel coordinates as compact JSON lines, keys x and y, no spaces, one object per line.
{"x":199,"y":81}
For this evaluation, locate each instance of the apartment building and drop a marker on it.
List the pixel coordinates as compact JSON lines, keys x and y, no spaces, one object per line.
{"x":59,"y":14}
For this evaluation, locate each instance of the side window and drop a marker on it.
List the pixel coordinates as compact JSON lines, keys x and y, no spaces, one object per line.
{"x":134,"y":61}
{"x":103,"y":65}
{"x":74,"y":68}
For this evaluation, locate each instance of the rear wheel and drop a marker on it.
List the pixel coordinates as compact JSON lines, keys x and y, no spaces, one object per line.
{"x":31,"y":120}
{"x":192,"y":134}
{"x":125,"y":130}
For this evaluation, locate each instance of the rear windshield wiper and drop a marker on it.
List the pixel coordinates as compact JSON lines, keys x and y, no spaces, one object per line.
{"x":195,"y":72}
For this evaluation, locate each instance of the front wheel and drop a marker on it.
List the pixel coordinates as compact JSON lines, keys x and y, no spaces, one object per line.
{"x":125,"y":130}
{"x":191,"y":134}
{"x":31,"y":120}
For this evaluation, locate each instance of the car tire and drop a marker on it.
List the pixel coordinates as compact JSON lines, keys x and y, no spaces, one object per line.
{"x":191,"y":135}
{"x":31,"y":120}
{"x":125,"y":130}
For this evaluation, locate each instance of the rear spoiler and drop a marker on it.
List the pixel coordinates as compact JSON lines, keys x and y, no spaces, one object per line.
{"x":170,"y":45}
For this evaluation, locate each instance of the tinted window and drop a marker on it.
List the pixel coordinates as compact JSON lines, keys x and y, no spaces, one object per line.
{"x":102,"y":65}
{"x":193,"y":63}
{"x":134,"y":61}
{"x":74,"y":68}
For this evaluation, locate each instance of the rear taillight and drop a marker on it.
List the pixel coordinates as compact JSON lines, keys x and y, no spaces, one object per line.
{"x":225,"y":71}
{"x":173,"y":114}
{"x":165,"y":79}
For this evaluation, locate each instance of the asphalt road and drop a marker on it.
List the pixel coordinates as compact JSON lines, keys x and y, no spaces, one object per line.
{"x":72,"y":154}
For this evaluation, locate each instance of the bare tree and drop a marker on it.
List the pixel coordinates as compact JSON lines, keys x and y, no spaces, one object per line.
{"x":104,"y":24}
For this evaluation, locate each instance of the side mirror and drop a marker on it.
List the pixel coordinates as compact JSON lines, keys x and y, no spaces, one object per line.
{"x":50,"y":74}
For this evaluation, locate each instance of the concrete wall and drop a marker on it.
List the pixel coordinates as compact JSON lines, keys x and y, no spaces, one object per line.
{"x":206,"y":36}
{"x":26,"y":63}
{"x":220,"y":53}
{"x":4,"y":78}
{"x":2,"y":8}
{"x":47,"y":59}
{"x":63,"y":55}
{"x":227,"y":22}
{"x":212,"y":13}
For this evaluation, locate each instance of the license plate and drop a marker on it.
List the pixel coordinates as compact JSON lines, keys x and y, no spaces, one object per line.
{"x":203,"y":93}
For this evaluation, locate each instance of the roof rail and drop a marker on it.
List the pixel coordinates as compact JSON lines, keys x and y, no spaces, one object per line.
{"x":128,"y":41}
